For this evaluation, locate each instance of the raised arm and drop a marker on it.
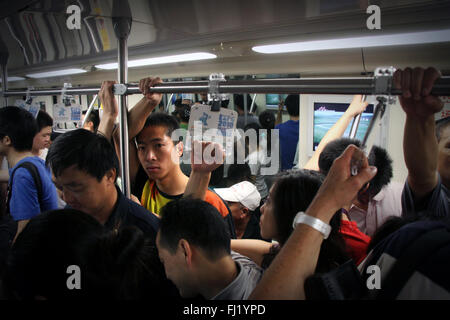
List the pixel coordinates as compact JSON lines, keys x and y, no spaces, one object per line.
{"x":420,"y":145}
{"x":136,"y":117}
{"x":136,"y":120}
{"x":278,"y":120}
{"x":140,"y":112}
{"x":356,"y":107}
{"x":110,"y":109}
{"x":253,"y":248}
{"x":297,"y":260}
{"x":205,"y":158}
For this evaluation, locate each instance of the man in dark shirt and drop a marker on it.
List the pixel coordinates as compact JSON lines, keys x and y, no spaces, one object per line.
{"x":84,"y":167}
{"x":289,"y":132}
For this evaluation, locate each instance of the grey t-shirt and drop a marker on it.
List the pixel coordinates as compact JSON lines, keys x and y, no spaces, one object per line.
{"x":249,"y":274}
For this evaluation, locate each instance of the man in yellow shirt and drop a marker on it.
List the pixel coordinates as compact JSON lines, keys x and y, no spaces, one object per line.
{"x":154,"y":156}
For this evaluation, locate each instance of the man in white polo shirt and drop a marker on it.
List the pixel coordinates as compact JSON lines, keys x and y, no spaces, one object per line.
{"x":244,"y":200}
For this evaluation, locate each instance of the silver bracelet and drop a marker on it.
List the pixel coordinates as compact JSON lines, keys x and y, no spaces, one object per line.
{"x":315,"y":223}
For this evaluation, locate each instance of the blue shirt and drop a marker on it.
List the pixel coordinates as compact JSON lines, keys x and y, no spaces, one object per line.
{"x":288,"y":142}
{"x":24,"y":203}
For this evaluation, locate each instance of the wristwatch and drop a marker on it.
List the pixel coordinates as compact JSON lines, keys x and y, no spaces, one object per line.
{"x":315,"y":223}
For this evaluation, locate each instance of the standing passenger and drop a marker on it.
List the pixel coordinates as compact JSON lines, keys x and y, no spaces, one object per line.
{"x":27,"y":196}
{"x":194,"y":246}
{"x":92,"y":121}
{"x":156,"y":160}
{"x":41,"y":141}
{"x":239,"y":103}
{"x":84,"y":167}
{"x":289,"y":132}
{"x":381,"y":199}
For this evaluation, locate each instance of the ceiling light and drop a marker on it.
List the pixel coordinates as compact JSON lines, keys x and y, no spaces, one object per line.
{"x":358,"y":42}
{"x":55,"y":73}
{"x":11,"y":79}
{"x":160,"y":60}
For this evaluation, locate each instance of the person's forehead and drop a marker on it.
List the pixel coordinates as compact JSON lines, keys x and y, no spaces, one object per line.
{"x":232,"y":203}
{"x":153,"y":133}
{"x":73,"y":174}
{"x":47,"y":129}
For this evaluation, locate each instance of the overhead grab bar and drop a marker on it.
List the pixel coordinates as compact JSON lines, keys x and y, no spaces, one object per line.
{"x":352,"y":86}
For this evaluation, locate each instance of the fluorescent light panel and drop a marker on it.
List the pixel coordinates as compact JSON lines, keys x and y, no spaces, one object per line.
{"x":55,"y":73}
{"x":11,"y":79}
{"x":358,"y":42}
{"x":160,"y":60}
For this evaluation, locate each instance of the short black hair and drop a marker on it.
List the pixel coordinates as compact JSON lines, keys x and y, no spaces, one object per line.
{"x":333,"y":150}
{"x":121,"y":264}
{"x":292,"y":103}
{"x":196,"y":221}
{"x":441,"y":124}
{"x":177,"y":102}
{"x":184,"y":112}
{"x":378,"y":158}
{"x":293,"y":191}
{"x":239,"y":102}
{"x":86,"y":150}
{"x":43,"y":120}
{"x":161,"y":119}
{"x":267,"y":120}
{"x":288,"y":184}
{"x":47,"y":246}
{"x":94,"y":117}
{"x":19,"y":125}
{"x":238,"y":172}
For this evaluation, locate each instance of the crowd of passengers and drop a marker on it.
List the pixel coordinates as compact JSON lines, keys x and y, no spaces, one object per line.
{"x":216,"y":231}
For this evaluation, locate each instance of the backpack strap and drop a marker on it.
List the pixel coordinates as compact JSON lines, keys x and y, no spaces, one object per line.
{"x":37,"y":182}
{"x":423,"y":247}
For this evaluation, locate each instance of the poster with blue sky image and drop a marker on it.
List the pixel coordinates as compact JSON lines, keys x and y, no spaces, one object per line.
{"x":327,"y":114}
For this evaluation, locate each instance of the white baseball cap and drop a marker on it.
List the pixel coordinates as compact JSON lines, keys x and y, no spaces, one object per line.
{"x":244,"y":192}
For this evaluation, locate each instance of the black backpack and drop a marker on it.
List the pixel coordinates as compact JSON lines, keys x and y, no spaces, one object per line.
{"x":346,"y":283}
{"x":8,"y":227}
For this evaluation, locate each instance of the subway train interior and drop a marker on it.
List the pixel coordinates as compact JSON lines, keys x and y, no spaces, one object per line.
{"x":55,"y":55}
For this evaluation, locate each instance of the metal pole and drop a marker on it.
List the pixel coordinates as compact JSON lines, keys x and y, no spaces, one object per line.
{"x":354,"y":127}
{"x":168,"y":103}
{"x":299,"y":86}
{"x":355,"y":123}
{"x":245,"y":109}
{"x":5,"y":82}
{"x":253,"y":103}
{"x":89,"y":110}
{"x":121,"y":14}
{"x":4,"y":55}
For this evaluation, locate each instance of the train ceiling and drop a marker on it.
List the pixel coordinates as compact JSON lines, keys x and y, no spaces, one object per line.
{"x":36,"y":37}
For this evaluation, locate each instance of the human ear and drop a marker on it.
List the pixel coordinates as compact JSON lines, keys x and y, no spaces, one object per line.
{"x":6,"y":140}
{"x":185,"y":251}
{"x":180,"y":148}
{"x":244,"y":212}
{"x":111,"y":175}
